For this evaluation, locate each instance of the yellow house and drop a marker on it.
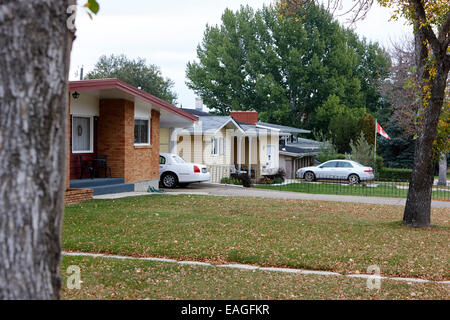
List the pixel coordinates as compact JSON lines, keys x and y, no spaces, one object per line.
{"x":225,"y":145}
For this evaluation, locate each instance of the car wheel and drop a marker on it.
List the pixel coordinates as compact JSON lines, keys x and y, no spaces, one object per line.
{"x":353,"y":179}
{"x":169,"y":180}
{"x":309,"y":176}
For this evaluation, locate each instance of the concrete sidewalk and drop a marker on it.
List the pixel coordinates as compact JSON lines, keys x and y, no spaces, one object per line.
{"x":221,"y":190}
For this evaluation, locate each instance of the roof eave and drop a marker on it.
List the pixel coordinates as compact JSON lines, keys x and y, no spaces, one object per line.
{"x":114,"y":83}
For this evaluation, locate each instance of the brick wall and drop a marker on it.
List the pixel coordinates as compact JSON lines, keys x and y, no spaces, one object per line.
{"x":111,"y":134}
{"x":142,"y":162}
{"x":72,"y":196}
{"x":116,"y":140}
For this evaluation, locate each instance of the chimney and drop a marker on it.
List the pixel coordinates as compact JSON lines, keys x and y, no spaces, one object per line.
{"x":249,"y":117}
{"x":199,"y":104}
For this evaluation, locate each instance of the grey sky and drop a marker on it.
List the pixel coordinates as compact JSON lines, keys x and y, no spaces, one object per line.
{"x":166,"y":33}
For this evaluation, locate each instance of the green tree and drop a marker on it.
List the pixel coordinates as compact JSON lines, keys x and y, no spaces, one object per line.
{"x":135,"y":72}
{"x":362,"y":151}
{"x":285,"y":68}
{"x":367,"y":126}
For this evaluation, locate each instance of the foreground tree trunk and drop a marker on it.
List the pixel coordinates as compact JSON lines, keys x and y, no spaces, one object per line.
{"x":442,"y":181}
{"x":418,"y":203}
{"x":35,"y":46}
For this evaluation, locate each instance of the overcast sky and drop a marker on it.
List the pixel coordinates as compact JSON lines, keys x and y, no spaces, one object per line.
{"x":167,"y":32}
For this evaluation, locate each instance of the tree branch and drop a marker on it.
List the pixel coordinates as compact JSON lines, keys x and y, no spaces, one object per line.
{"x":443,"y":34}
{"x":421,"y":24}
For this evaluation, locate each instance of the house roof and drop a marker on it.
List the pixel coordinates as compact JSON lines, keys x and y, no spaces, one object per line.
{"x":281,"y":128}
{"x":113,"y":83}
{"x":211,"y":124}
{"x":296,"y":151}
{"x":197,"y":112}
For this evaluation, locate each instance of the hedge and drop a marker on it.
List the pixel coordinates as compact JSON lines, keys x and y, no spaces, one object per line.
{"x":394,"y":174}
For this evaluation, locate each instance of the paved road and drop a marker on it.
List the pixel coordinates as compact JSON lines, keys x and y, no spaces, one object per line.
{"x":220,"y":190}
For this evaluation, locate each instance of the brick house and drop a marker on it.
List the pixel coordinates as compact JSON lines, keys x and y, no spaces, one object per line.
{"x":113,"y":118}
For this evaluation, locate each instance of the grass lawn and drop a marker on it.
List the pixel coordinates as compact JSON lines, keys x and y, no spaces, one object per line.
{"x":382,"y":189}
{"x":131,"y":279}
{"x":342,"y":237}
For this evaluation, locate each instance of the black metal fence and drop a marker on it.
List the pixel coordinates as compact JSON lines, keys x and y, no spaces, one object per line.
{"x":339,"y":186}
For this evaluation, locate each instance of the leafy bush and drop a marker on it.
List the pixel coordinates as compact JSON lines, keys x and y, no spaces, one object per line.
{"x":339,"y":156}
{"x":277,"y":180}
{"x":281,"y":174}
{"x":395,"y":174}
{"x":266,"y":180}
{"x":328,"y":152}
{"x":231,"y":180}
{"x":245,"y":179}
{"x":378,"y":166}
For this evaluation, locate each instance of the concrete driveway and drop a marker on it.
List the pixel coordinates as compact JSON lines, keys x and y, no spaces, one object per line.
{"x":237,"y":191}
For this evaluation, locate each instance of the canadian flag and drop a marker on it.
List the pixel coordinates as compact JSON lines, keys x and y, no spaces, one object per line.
{"x":382,"y":132}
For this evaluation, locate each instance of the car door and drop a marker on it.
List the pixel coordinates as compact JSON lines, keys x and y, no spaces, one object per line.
{"x":182,"y":168}
{"x":343,"y":169}
{"x":327,"y":170}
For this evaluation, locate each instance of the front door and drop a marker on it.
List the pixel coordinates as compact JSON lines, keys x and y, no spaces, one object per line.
{"x":270,"y":156}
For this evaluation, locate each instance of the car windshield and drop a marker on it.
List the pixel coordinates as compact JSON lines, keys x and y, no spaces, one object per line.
{"x":178,"y":159}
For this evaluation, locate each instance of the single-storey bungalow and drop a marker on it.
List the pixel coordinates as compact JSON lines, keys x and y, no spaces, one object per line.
{"x":115,"y":127}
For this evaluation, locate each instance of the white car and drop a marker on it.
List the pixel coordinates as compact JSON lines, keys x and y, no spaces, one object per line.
{"x":337,"y":169}
{"x":173,"y":171}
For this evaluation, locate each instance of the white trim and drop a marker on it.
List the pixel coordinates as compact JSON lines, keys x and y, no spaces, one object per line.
{"x":268,"y":128}
{"x":91,"y":133}
{"x":148,"y":128}
{"x":234,"y":122}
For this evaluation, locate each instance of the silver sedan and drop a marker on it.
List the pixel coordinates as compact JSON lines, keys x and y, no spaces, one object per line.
{"x":349,"y":170}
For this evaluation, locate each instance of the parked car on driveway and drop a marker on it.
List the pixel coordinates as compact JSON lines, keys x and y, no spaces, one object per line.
{"x":173,"y":171}
{"x":349,"y":170}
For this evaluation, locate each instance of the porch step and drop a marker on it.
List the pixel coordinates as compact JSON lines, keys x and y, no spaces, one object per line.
{"x":92,"y":183}
{"x":113,"y":188}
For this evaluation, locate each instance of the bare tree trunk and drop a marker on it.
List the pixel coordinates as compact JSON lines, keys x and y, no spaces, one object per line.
{"x":442,"y":181}
{"x":35,"y":46}
{"x":418,"y":203}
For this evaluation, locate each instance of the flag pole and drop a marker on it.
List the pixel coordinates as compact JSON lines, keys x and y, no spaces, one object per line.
{"x":375,"y":147}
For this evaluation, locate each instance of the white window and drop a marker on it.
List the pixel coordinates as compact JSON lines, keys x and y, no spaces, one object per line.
{"x":214,"y":146}
{"x":82,"y":134}
{"x":142,"y":132}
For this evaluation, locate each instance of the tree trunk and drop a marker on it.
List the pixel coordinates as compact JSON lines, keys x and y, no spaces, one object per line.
{"x":418,"y":203}
{"x":442,"y":181}
{"x":35,"y":46}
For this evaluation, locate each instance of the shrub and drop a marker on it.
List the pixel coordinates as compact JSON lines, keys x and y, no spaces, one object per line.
{"x":362,"y":151}
{"x":225,"y":180}
{"x":278,"y":180}
{"x":395,"y":174}
{"x":266,"y":180}
{"x":245,"y":179}
{"x":230,"y":180}
{"x":378,"y":166}
{"x":327,"y":152}
{"x":281,"y":174}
